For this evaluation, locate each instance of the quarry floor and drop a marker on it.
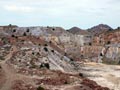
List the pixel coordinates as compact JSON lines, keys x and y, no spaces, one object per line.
{"x":104,"y":75}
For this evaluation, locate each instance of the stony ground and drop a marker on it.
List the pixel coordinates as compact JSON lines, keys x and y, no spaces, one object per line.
{"x":104,"y":75}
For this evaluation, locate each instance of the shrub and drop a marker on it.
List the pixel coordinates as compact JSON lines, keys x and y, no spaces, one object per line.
{"x":47,"y":65}
{"x":90,"y":44}
{"x":53,"y":29}
{"x":12,"y":35}
{"x":118,"y":28}
{"x":45,"y":49}
{"x":14,"y":30}
{"x":52,"y":51}
{"x":33,"y":53}
{"x":16,"y":37}
{"x":71,"y":59}
{"x":108,"y":42}
{"x":50,"y":42}
{"x":65,"y":82}
{"x":24,"y":34}
{"x":28,"y":30}
{"x":101,"y":54}
{"x":45,"y":45}
{"x":40,"y":88}
{"x":42,"y":65}
{"x":80,"y":74}
{"x":65,"y":54}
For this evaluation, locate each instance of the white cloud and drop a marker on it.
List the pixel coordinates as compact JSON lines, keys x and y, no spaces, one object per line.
{"x":59,"y":6}
{"x":18,"y":8}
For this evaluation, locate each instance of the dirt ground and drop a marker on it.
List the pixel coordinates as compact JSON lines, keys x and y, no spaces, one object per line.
{"x":104,"y":75}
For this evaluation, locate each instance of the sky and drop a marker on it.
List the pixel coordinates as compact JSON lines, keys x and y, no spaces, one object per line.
{"x":64,"y":13}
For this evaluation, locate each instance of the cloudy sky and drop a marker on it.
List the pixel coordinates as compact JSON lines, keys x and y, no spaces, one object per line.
{"x":65,"y":13}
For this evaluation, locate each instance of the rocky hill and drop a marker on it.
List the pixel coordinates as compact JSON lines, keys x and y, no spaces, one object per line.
{"x":99,"y":29}
{"x":76,"y":30}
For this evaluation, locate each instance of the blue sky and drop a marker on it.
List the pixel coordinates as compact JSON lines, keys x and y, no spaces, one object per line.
{"x":64,"y":13}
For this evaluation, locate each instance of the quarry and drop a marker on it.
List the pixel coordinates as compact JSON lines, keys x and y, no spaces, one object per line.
{"x":52,"y":58}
